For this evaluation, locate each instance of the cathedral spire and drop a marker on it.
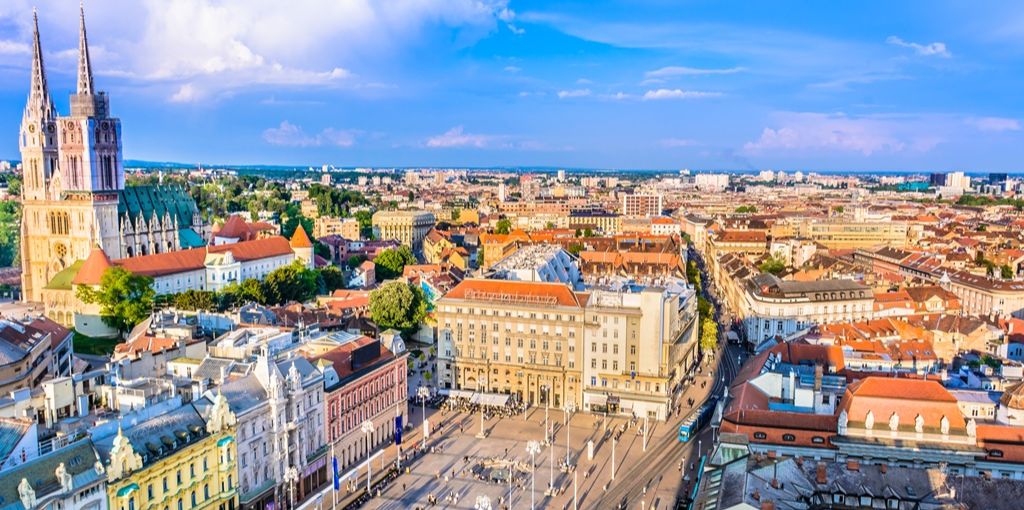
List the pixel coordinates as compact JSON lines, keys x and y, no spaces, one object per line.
{"x":84,"y":64}
{"x":39,"y":94}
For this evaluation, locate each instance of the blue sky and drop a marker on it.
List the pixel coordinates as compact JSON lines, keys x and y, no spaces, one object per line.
{"x":865,"y":85}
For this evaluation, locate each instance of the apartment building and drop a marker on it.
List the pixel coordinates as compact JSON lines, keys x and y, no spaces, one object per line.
{"x":855,"y":234}
{"x":642,"y":204}
{"x":511,"y":337}
{"x":772,"y":307}
{"x":638,"y":344}
{"x":408,"y":227}
{"x":344,"y":227}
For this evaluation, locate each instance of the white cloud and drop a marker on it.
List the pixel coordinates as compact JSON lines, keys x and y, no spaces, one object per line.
{"x":677,"y":94}
{"x":290,"y":135}
{"x":513,"y":69}
{"x":564,"y":94}
{"x":13,"y":48}
{"x":935,"y":49}
{"x":584,"y":81}
{"x":239,"y":44}
{"x":672,"y":71}
{"x":456,"y":137}
{"x":995,"y":124}
{"x":869,"y":135}
{"x":678,"y":142}
{"x":187,"y":93}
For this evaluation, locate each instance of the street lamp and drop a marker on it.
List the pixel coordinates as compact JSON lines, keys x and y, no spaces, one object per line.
{"x":570,"y":408}
{"x":367,"y":428}
{"x":482,"y":434}
{"x":613,"y":457}
{"x":533,"y":448}
{"x":423,"y":393}
{"x":291,"y":477}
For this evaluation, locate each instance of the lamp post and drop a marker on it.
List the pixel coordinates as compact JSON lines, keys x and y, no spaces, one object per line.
{"x":367,"y":428}
{"x":613,"y":457}
{"x":291,"y":477}
{"x":423,"y":393}
{"x":533,"y":448}
{"x":570,"y":408}
{"x":482,"y":434}
{"x":551,"y":465}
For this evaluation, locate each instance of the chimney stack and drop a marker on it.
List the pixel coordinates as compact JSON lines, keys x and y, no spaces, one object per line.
{"x":818,"y":373}
{"x":822,"y":476}
{"x":853,"y":465}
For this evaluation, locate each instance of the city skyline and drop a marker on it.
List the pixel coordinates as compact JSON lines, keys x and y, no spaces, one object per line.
{"x":480,"y":84}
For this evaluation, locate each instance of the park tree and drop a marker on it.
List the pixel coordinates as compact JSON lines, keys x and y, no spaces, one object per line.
{"x":354,"y":261}
{"x":772,"y":265}
{"x":125,"y":299}
{"x":195,"y":300}
{"x":709,"y":334}
{"x":398,"y":305}
{"x":332,"y":278}
{"x":504,"y":226}
{"x":390,"y":263}
{"x":294,"y":282}
{"x":1006,"y":272}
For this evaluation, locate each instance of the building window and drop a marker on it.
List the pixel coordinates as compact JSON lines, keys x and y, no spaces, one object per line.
{"x":760,"y":435}
{"x":818,"y":440}
{"x":788,"y":437}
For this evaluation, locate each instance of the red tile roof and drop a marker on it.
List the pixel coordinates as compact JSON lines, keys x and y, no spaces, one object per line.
{"x":300,"y":239}
{"x":532,"y":292}
{"x":91,"y":272}
{"x":161,"y":264}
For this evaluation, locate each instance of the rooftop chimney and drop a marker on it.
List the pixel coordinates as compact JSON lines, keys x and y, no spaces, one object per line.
{"x":883,"y":468}
{"x":822,"y":476}
{"x":767,"y":505}
{"x":853,"y":465}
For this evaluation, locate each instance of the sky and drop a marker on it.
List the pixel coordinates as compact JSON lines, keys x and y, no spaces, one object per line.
{"x":646,"y":84}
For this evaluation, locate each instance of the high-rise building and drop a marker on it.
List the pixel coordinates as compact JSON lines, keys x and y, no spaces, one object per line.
{"x":74,"y":197}
{"x":642,"y":204}
{"x":711,"y":182}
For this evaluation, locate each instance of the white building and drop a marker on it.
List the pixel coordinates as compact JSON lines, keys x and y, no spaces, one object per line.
{"x":711,"y":182}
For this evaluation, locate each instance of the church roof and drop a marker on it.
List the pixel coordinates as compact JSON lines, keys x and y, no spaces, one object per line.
{"x":145,"y":202}
{"x":63,"y":279}
{"x":300,"y":239}
{"x":91,"y":272}
{"x":161,"y":264}
{"x":234,"y":227}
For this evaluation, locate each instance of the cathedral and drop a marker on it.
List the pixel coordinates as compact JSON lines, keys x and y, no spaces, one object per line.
{"x":74,"y":196}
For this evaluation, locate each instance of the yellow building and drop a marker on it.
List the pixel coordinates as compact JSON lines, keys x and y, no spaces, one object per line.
{"x":435,"y":245}
{"x":174,"y":461}
{"x":841,"y":234}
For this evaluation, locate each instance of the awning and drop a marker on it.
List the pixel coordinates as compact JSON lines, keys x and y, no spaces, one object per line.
{"x":596,"y":399}
{"x":490,"y":399}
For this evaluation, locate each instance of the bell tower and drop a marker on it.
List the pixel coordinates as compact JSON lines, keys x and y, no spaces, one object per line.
{"x":72,"y":174}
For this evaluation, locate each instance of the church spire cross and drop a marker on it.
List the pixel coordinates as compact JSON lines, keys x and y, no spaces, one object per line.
{"x":84,"y":63}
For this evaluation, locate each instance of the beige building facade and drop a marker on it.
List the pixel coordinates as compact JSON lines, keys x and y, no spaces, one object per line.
{"x":408,"y":227}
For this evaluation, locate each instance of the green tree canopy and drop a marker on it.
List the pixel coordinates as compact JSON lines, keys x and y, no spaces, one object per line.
{"x":294,"y":282}
{"x":355,"y":260}
{"x":125,"y":299}
{"x":772,"y":265}
{"x":390,"y":263}
{"x":743,"y":209}
{"x":195,"y":300}
{"x":504,"y":226}
{"x":398,"y":305}
{"x":709,"y":334}
{"x":332,"y":278}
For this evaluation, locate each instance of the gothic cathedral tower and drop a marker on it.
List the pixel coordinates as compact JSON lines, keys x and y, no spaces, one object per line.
{"x":72,"y":174}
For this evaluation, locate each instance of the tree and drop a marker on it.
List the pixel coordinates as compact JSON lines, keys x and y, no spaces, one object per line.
{"x":332,"y":278}
{"x":288,"y":229}
{"x":195,"y":300}
{"x":709,"y":334}
{"x":772,"y":265}
{"x":504,"y":226}
{"x":1006,"y":272}
{"x":398,"y":305}
{"x":588,"y":232}
{"x":575,"y":249}
{"x":294,"y":282}
{"x":365,"y":219}
{"x":10,"y":229}
{"x":744,"y":209}
{"x":390,"y":263}
{"x":354,"y":261}
{"x":693,"y":275}
{"x":125,"y":298}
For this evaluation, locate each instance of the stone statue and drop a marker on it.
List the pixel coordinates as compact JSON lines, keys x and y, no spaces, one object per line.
{"x":844,"y":420}
{"x":919,"y":424}
{"x":972,"y":428}
{"x":98,"y":467}
{"x":63,"y":477}
{"x":26,"y":494}
{"x":894,"y":422}
{"x":944,"y":425}
{"x":869,"y":420}
{"x":221,"y":416}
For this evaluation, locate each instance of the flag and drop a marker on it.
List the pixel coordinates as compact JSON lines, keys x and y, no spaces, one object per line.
{"x":398,"y":429}
{"x":337,"y":476}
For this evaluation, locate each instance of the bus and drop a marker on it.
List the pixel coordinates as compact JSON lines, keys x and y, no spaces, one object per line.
{"x":697,"y":419}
